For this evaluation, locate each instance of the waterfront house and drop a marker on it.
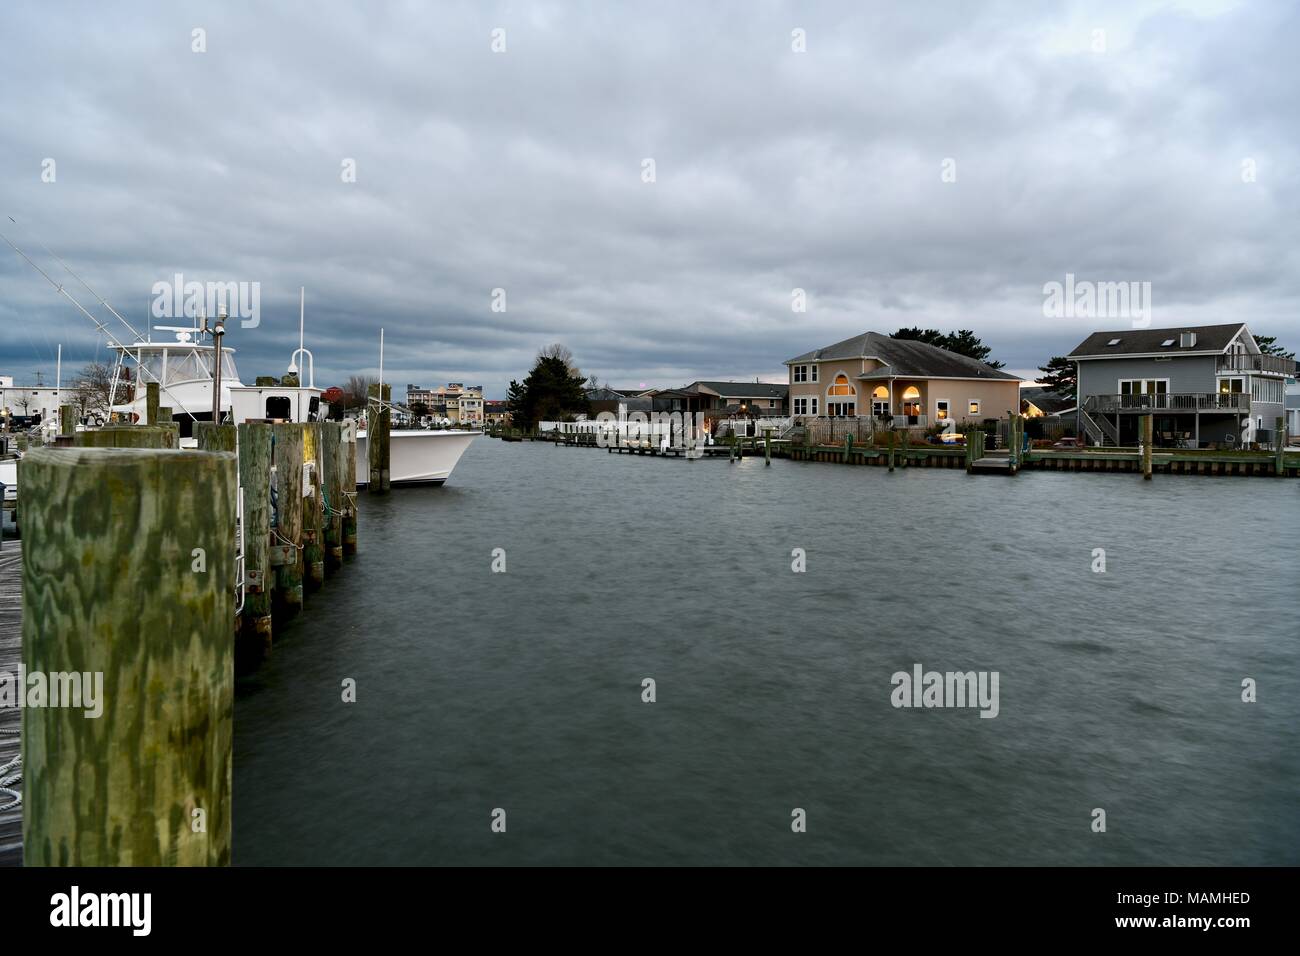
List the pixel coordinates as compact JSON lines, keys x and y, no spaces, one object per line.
{"x":1039,"y":402}
{"x":496,"y":412}
{"x":1205,"y":386}
{"x":619,"y":402}
{"x":912,"y":383}
{"x":746,"y":399}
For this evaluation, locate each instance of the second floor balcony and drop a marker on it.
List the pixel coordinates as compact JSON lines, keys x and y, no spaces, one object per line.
{"x":1269,"y":364}
{"x":1174,"y":402}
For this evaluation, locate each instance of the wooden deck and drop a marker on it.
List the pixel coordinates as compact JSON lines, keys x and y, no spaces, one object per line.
{"x":11,"y":642}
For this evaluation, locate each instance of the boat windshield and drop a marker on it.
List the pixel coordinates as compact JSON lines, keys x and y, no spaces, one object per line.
{"x":187,"y":366}
{"x":183,"y":365}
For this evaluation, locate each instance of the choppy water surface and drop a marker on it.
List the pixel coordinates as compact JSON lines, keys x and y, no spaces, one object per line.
{"x":523,"y":690}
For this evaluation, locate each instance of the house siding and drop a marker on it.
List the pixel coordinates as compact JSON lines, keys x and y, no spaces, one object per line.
{"x":1192,"y":373}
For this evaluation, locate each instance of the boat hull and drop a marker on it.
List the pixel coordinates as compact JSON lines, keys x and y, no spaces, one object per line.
{"x":416,"y":457}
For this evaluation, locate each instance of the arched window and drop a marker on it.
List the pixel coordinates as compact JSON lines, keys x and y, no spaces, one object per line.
{"x":841,"y":397}
{"x":912,"y":404}
{"x":880,"y":402}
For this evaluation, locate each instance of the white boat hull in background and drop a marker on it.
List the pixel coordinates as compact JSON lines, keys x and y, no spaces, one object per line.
{"x":416,"y":457}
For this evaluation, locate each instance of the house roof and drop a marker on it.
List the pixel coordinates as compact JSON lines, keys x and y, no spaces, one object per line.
{"x":603,"y":394}
{"x":905,"y":358}
{"x":1210,"y":339}
{"x":745,"y":389}
{"x":1047,"y":401}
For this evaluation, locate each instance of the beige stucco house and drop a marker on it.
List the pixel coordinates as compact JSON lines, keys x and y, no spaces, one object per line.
{"x":874,"y":375}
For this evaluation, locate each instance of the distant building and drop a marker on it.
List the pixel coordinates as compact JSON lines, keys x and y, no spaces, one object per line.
{"x":461,"y":404}
{"x":496,"y":413}
{"x":33,"y":403}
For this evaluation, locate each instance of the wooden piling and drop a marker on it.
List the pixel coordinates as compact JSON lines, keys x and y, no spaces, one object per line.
{"x":332,"y":492}
{"x":1147,"y":436}
{"x":1279,"y":447}
{"x":255,"y":479}
{"x":378,"y":425}
{"x":313,"y":534}
{"x":349,"y":439}
{"x":286,"y":536}
{"x":67,"y":420}
{"x":214,"y":437}
{"x":767,"y":446}
{"x":151,"y":403}
{"x":129,"y":436}
{"x":892,"y":435}
{"x":128,"y":573}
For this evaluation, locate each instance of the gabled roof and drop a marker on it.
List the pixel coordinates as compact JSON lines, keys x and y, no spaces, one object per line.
{"x":905,"y":357}
{"x":1210,"y":340}
{"x":1047,"y":401}
{"x":745,"y":389}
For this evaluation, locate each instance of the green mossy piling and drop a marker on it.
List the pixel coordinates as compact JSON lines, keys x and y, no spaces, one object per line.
{"x":127,"y":572}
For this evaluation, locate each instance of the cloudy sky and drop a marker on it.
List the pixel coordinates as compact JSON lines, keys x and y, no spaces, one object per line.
{"x":1161,"y":149}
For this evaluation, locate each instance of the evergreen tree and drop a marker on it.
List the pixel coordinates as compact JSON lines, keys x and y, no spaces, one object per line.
{"x":963,"y":342}
{"x":1059,"y":375}
{"x":1268,"y":345}
{"x":553,"y":390}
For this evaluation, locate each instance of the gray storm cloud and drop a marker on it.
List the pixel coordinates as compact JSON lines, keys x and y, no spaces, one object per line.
{"x":522,"y":170}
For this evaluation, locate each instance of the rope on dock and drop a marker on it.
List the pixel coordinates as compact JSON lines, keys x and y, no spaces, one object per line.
{"x":11,"y":774}
{"x":285,"y":540}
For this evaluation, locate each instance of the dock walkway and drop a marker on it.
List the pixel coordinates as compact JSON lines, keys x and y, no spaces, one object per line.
{"x":11,"y":652}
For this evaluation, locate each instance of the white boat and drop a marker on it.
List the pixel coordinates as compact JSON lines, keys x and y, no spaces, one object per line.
{"x":183,"y":370}
{"x":417,"y":456}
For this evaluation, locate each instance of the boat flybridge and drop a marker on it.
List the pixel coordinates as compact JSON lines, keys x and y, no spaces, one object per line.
{"x":184,"y":371}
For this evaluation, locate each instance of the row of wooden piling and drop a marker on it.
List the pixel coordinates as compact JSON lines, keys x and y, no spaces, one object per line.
{"x":299,"y":513}
{"x":130,"y":570}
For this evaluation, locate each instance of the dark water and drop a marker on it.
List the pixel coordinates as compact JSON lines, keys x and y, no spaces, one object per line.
{"x":523,"y":690}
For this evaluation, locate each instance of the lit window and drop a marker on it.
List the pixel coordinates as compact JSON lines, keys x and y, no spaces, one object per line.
{"x":941,"y":410}
{"x":974,"y":407}
{"x":841,"y":386}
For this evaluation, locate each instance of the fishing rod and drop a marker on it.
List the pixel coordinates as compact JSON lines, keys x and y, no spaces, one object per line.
{"x":100,"y":326}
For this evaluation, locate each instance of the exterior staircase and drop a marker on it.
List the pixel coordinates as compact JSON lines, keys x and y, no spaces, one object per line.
{"x":1100,"y":431}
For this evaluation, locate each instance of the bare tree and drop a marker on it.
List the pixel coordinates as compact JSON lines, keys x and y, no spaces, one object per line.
{"x":356,"y":390}
{"x":92,"y":390}
{"x":562,"y":352}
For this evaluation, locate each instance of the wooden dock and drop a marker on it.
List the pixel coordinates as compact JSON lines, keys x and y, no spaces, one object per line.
{"x":11,"y":652}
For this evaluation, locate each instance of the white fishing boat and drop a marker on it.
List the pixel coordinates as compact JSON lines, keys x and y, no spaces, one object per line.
{"x":184,"y":370}
{"x":417,"y":456}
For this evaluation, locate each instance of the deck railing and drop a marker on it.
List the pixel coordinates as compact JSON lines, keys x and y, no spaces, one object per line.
{"x":1256,"y":363}
{"x":1168,"y":402}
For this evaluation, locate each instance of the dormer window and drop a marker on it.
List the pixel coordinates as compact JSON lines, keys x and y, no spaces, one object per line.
{"x":1113,"y":342}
